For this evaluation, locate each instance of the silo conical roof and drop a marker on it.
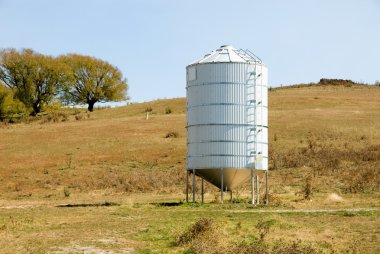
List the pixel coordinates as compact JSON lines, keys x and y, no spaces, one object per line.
{"x":228,"y":54}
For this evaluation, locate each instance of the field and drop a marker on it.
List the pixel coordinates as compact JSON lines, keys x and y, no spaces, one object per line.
{"x":123,"y":178}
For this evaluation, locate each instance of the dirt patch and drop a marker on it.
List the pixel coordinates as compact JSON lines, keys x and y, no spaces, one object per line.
{"x":76,"y":248}
{"x":335,"y":198}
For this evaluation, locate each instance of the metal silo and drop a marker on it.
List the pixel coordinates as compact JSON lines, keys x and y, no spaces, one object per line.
{"x":227,"y":117}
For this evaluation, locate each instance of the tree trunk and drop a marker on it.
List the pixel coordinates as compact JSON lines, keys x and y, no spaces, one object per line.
{"x":36,"y":109}
{"x":91,"y":105}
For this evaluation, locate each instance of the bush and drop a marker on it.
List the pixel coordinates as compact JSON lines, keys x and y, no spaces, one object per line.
{"x":203,"y":237}
{"x":263,"y":227}
{"x":66,"y":192}
{"x":168,"y":111}
{"x":78,"y":117}
{"x":172,"y":134}
{"x":55,"y":117}
{"x":53,"y":106}
{"x":307,"y":189}
{"x":10,"y":108}
{"x":199,"y":228}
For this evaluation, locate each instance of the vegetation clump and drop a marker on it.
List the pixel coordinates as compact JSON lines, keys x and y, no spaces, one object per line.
{"x":278,"y":247}
{"x":172,"y":134}
{"x":323,"y":82}
{"x":55,"y":117}
{"x":307,"y":188}
{"x":196,"y":230}
{"x":263,"y":228}
{"x":337,"y":82}
{"x":204,"y":237}
{"x":66,"y":192}
{"x":168,"y":110}
{"x":10,"y":107}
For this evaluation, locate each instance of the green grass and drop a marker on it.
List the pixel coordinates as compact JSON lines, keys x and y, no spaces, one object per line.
{"x":154,"y":228}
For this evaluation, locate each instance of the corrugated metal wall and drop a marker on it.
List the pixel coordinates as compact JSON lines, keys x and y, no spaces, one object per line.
{"x":220,"y":116}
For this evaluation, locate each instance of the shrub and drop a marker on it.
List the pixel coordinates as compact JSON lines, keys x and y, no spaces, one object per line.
{"x":307,"y":189}
{"x":66,"y":192}
{"x":53,"y":106}
{"x":296,"y":247}
{"x":9,"y":107}
{"x":172,"y":134}
{"x":168,"y":111}
{"x":199,"y":228}
{"x":244,"y":247}
{"x":362,"y":180}
{"x":337,"y":82}
{"x":78,"y":117}
{"x":263,"y":227}
{"x":55,"y":117}
{"x":203,"y":237}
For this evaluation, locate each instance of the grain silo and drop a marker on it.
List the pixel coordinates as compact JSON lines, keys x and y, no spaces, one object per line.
{"x":227,"y":118}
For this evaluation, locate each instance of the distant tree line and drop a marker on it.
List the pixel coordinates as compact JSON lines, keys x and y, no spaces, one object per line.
{"x":30,"y":81}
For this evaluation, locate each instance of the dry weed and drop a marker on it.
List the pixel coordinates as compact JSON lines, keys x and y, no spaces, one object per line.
{"x":203,"y":237}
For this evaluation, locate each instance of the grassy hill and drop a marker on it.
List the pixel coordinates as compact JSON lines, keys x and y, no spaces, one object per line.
{"x":322,"y":137}
{"x":324,"y":128}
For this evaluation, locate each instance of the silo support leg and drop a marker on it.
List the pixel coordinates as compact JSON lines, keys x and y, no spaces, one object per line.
{"x":252,"y":187}
{"x":194,"y":186}
{"x":221,"y":187}
{"x":267,"y":188}
{"x":257,"y":189}
{"x":203,"y":193}
{"x":187,"y":186}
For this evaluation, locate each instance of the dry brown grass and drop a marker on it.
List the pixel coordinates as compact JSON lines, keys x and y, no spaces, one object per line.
{"x":204,"y":237}
{"x":329,"y":132}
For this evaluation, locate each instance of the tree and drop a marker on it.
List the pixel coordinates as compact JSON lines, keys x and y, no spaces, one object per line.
{"x":92,"y":80}
{"x":35,"y":78}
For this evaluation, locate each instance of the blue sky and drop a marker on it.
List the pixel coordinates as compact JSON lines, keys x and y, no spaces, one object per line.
{"x":152,"y":41}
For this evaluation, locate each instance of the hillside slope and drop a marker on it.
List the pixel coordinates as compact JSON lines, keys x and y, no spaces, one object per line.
{"x":321,"y":128}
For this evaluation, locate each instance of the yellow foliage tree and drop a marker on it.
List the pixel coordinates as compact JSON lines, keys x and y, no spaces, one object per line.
{"x":35,"y":78}
{"x":92,"y":80}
